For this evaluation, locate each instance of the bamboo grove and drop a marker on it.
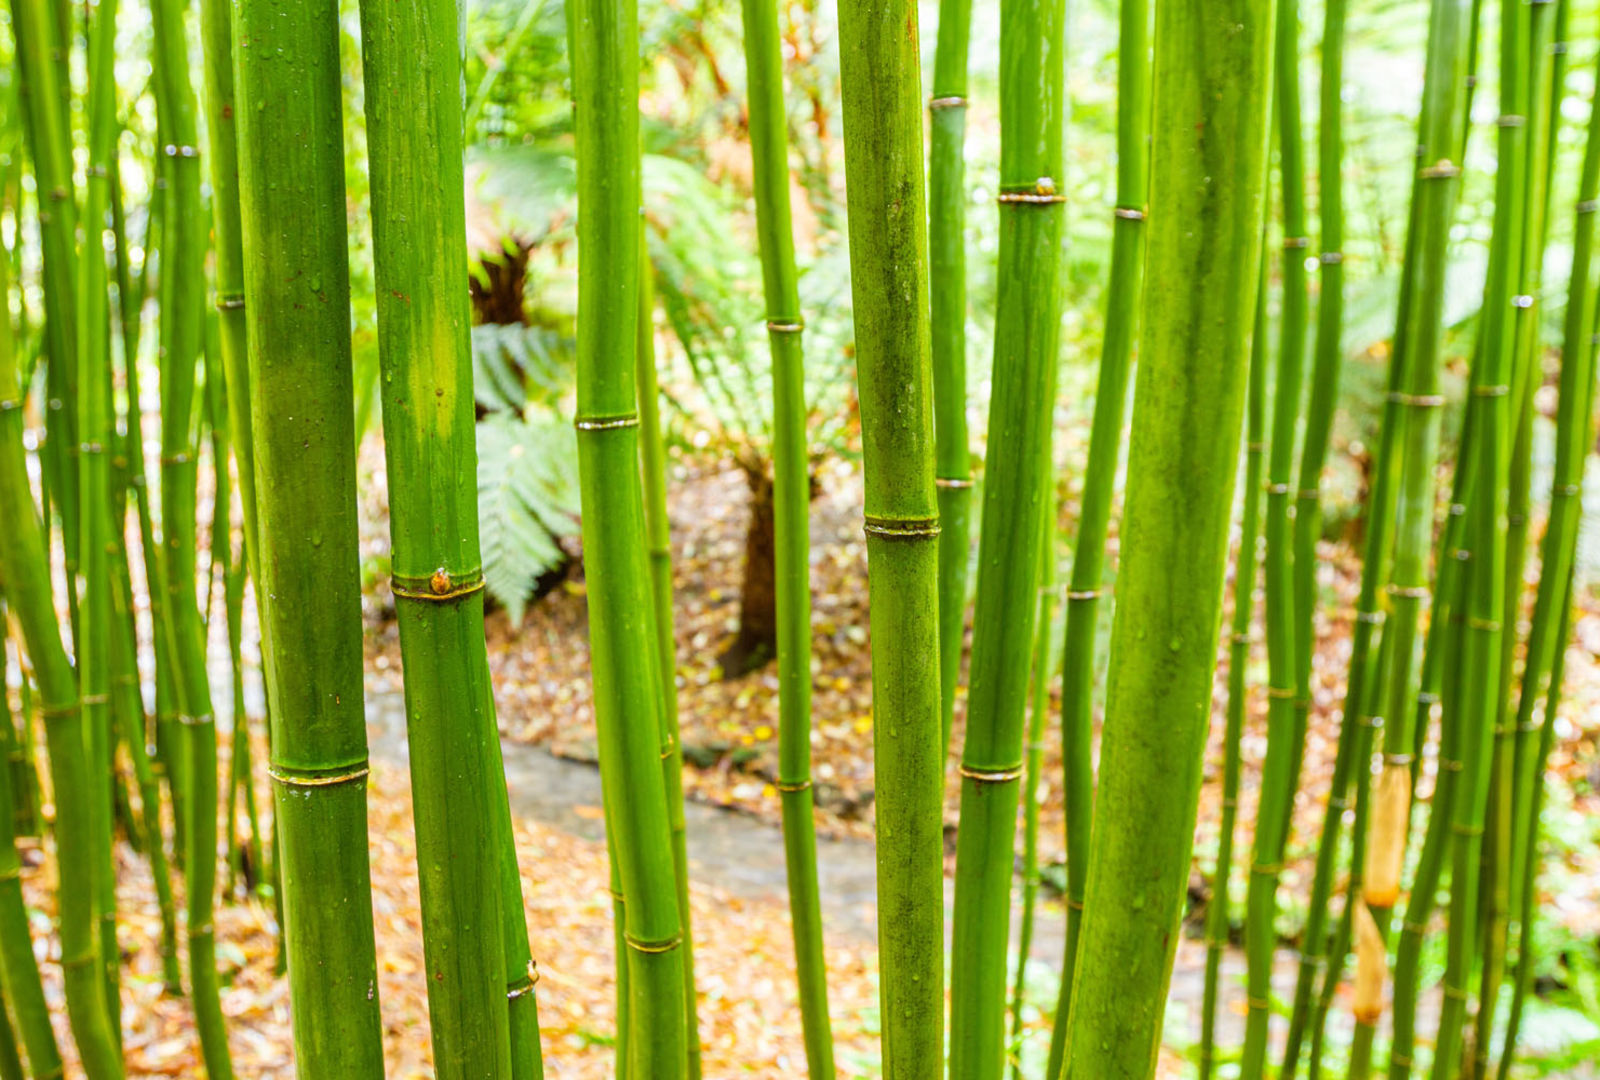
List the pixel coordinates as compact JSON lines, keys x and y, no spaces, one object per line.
{"x":1221,"y":369}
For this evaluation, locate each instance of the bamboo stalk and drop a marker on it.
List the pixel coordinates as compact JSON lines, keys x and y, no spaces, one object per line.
{"x":653,"y":474}
{"x":24,"y":567}
{"x":1105,"y":446}
{"x":414,"y":124}
{"x":1244,"y":603}
{"x":292,"y":204}
{"x":1212,"y":83}
{"x":604,"y":50}
{"x":880,"y":68}
{"x":1021,"y":410}
{"x":791,"y":504}
{"x":1286,"y":713}
{"x":947,"y":283}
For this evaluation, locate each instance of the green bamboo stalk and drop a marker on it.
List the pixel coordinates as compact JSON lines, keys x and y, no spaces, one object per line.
{"x":1244,"y":590}
{"x":42,"y":36}
{"x":947,"y":266}
{"x":791,"y":504}
{"x":880,"y":74}
{"x":292,"y":204}
{"x":93,"y":513}
{"x":604,"y":51}
{"x":1434,"y":190}
{"x":1481,"y":657}
{"x":1105,"y":447}
{"x":1212,"y":85}
{"x":19,"y":970}
{"x":1033,"y":764}
{"x":1286,"y":715}
{"x":1028,"y":321}
{"x":414,"y":125}
{"x":182,"y":330}
{"x":1501,"y":867}
{"x":1548,"y":634}
{"x":24,"y":568}
{"x":653,"y":475}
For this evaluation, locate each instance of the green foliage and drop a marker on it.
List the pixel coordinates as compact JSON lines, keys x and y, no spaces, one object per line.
{"x":527,"y":501}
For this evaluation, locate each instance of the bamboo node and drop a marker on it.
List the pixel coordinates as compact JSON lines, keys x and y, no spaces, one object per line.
{"x":1230,"y":803}
{"x":55,"y":712}
{"x":1261,"y":1004}
{"x":293,"y":779}
{"x":524,"y":986}
{"x":789,"y":787}
{"x":1331,"y":258}
{"x":1456,"y":992}
{"x":230,"y":301}
{"x":1510,"y":120}
{"x":1522,"y":301}
{"x":1308,"y":494}
{"x":182,"y":458}
{"x":96,"y":171}
{"x":1130,"y":213}
{"x":1275,"y":489}
{"x":1397,"y":759}
{"x":1256,"y":446}
{"x":1241,"y":639}
{"x":1500,"y":390}
{"x":991,"y":776}
{"x":186,"y":720}
{"x":1031,"y":197}
{"x":77,"y":962}
{"x":1565,"y":491}
{"x":607,"y":423}
{"x":1074,"y":904}
{"x":1443,"y":169}
{"x":1294,"y":243}
{"x":902,"y":528}
{"x":204,"y":930}
{"x":1371,"y":618}
{"x":950,"y":101}
{"x":1270,"y":868}
{"x":91,"y":448}
{"x":10,"y":404}
{"x":439,"y":586}
{"x":1589,"y":206}
{"x":1409,"y":592}
{"x":785,"y":326}
{"x":1450,"y":764}
{"x":653,"y":946}
{"x":1528,"y":727}
{"x":1559,"y":48}
{"x":1281,"y":693}
{"x":1341,"y":804}
{"x":180,"y":151}
{"x":1085,"y":594}
{"x":1466,"y":830}
{"x":1397,"y":1058}
{"x":953,"y":483}
{"x":1427,"y":697}
{"x":94,"y":699}
{"x":1489,"y":625}
{"x":1419,"y":401}
{"x":11,"y":873}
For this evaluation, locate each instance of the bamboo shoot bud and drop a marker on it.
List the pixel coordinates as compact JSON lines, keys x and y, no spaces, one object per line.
{"x":1372,"y":959}
{"x":1386,"y":838}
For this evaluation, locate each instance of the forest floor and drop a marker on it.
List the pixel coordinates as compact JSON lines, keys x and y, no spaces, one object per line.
{"x":750,"y":1026}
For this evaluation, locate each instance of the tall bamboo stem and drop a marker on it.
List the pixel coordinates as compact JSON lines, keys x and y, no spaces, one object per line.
{"x":292,"y":211}
{"x":882,"y":101}
{"x":791,"y":503}
{"x":1208,"y":168}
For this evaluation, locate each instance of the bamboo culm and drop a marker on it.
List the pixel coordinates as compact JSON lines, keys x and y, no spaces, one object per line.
{"x":880,"y":72}
{"x":1105,"y":446}
{"x":791,"y":505}
{"x":1212,"y":75}
{"x":292,"y":212}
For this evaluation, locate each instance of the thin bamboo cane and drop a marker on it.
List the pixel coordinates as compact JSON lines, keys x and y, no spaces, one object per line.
{"x":292,"y":204}
{"x":947,"y":274}
{"x":1481,"y":656}
{"x":1388,"y":816}
{"x":414,"y":125}
{"x":1033,"y":766}
{"x":1244,"y":604}
{"x":19,"y":970}
{"x":604,"y":49}
{"x":1105,"y":446}
{"x":94,"y":424}
{"x":791,"y":503}
{"x":653,"y":475}
{"x":24,"y":567}
{"x":182,"y":329}
{"x":880,"y":75}
{"x":1285,"y":714}
{"x":1212,"y":81}
{"x":1548,"y":635}
{"x":1027,"y":336}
